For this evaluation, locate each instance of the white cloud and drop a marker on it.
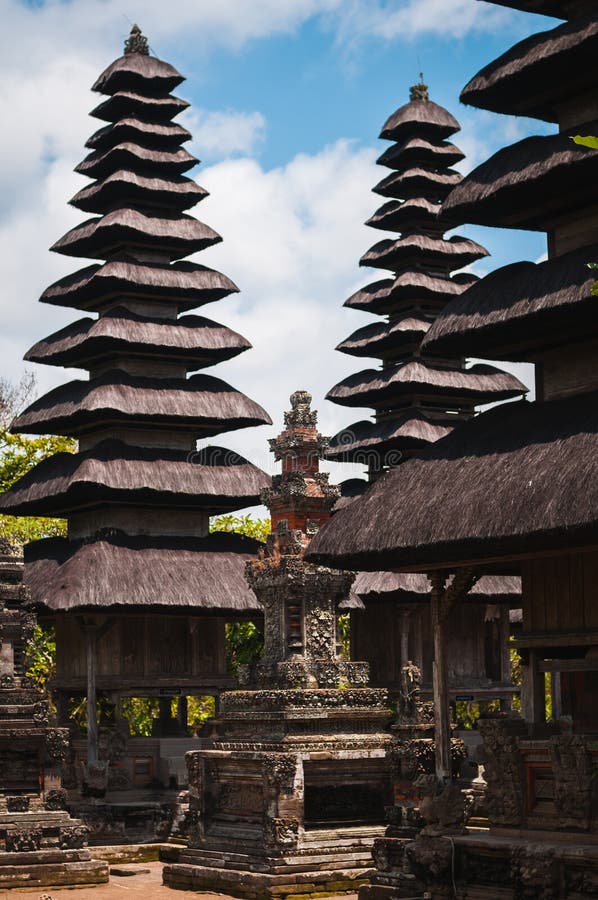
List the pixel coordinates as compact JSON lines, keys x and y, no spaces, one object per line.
{"x":406,"y":19}
{"x":221,"y":133}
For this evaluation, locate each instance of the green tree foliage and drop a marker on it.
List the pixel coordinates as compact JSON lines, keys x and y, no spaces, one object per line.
{"x":247,"y":525}
{"x":40,"y":656}
{"x":244,"y":645}
{"x":19,"y":454}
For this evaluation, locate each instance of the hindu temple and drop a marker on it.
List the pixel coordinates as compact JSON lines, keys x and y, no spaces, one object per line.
{"x":514,"y":486}
{"x":291,"y":796}
{"x":140,"y":590}
{"x":418,"y":397}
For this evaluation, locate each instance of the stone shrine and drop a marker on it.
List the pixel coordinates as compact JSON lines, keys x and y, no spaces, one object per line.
{"x":40,"y":844}
{"x":293,"y":793}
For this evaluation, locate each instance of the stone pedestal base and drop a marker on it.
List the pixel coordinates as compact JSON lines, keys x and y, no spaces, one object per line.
{"x":51,"y":868}
{"x":321,"y":881}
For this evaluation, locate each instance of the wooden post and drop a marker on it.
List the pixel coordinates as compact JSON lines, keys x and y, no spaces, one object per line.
{"x":443,"y":599}
{"x":92,"y":717}
{"x":181,"y":713}
{"x":405,"y":617}
{"x":533,"y":697}
{"x":442,"y":730}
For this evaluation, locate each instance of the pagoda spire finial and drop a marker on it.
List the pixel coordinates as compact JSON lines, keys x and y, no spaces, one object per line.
{"x":136,"y":42}
{"x":419,"y":91}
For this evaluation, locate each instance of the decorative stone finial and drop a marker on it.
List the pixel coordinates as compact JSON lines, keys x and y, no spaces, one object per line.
{"x":136,"y":42}
{"x":419,"y":91}
{"x":301,"y":413}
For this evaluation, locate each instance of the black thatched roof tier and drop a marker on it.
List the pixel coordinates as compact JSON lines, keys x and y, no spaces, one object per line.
{"x":520,"y":309}
{"x":529,"y":184}
{"x":212,"y":480}
{"x":350,"y":489}
{"x":416,"y":151}
{"x":158,"y":135}
{"x":519,"y":478}
{"x":128,"y":188}
{"x":125,"y":228}
{"x":381,"y":297}
{"x":560,"y":9}
{"x":415,"y":213}
{"x":418,"y":182}
{"x":128,"y":103}
{"x":138,"y":73}
{"x":202,"y":405}
{"x":420,"y":250}
{"x":130,"y":573}
{"x":539,"y":75}
{"x":184,"y":284}
{"x":129,"y":155}
{"x":381,"y":339}
{"x":414,"y":587}
{"x":379,"y":388}
{"x":420,"y":118}
{"x":192,"y":340}
{"x":410,"y":429}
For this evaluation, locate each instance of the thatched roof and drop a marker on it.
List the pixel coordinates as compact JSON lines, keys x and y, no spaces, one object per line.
{"x":162,"y":135}
{"x":124,"y":188}
{"x":213,"y":480}
{"x":201,"y":405}
{"x":417,"y":150}
{"x":419,"y":117}
{"x":408,"y":430}
{"x":137,"y":72}
{"x":415,"y":250}
{"x":417,"y":212}
{"x":383,"y":296}
{"x":528,"y":184}
{"x":350,"y":489}
{"x":539,"y":75}
{"x":184,"y":284}
{"x":414,"y":587}
{"x":386,"y":339}
{"x":519,"y":478}
{"x":128,"y":103}
{"x":379,"y":388}
{"x":193,"y":340}
{"x":130,"y":155}
{"x":519,"y":309}
{"x":418,"y":182}
{"x":561,"y":9}
{"x":177,"y":235}
{"x":127,"y":573}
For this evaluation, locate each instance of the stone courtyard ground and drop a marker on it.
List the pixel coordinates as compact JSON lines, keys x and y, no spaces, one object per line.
{"x":146,"y":883}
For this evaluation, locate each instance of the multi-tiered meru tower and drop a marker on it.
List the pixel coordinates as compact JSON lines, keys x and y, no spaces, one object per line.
{"x":416,"y":398}
{"x":139,"y":566}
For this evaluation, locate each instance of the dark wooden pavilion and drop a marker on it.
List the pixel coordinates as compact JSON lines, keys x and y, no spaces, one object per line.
{"x":418,"y":397}
{"x":516,"y":486}
{"x":139,"y":591}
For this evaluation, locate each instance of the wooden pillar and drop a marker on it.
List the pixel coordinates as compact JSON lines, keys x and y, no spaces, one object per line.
{"x":443,"y":599}
{"x":181,"y":713}
{"x":532,"y":691}
{"x":442,"y":730}
{"x":92,"y":718}
{"x":405,"y":621}
{"x":165,"y":716}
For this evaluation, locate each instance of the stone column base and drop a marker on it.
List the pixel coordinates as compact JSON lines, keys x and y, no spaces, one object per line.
{"x":51,"y":868}
{"x":261,"y":886}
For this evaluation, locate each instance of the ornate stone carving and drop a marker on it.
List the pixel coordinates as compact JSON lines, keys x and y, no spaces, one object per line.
{"x":17,"y":804}
{"x":23,"y":840}
{"x":56,"y":799}
{"x":57,"y":744}
{"x":282,"y":832}
{"x":136,"y":42}
{"x":280,"y":770}
{"x":534,"y":871}
{"x":73,"y":837}
{"x":503,"y":770}
{"x":574,"y":776}
{"x":445,"y":812}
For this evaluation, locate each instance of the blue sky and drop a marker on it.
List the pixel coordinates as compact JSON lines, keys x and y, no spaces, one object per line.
{"x":288,"y":99}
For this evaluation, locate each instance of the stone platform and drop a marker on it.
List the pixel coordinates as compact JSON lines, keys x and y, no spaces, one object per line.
{"x":51,"y":868}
